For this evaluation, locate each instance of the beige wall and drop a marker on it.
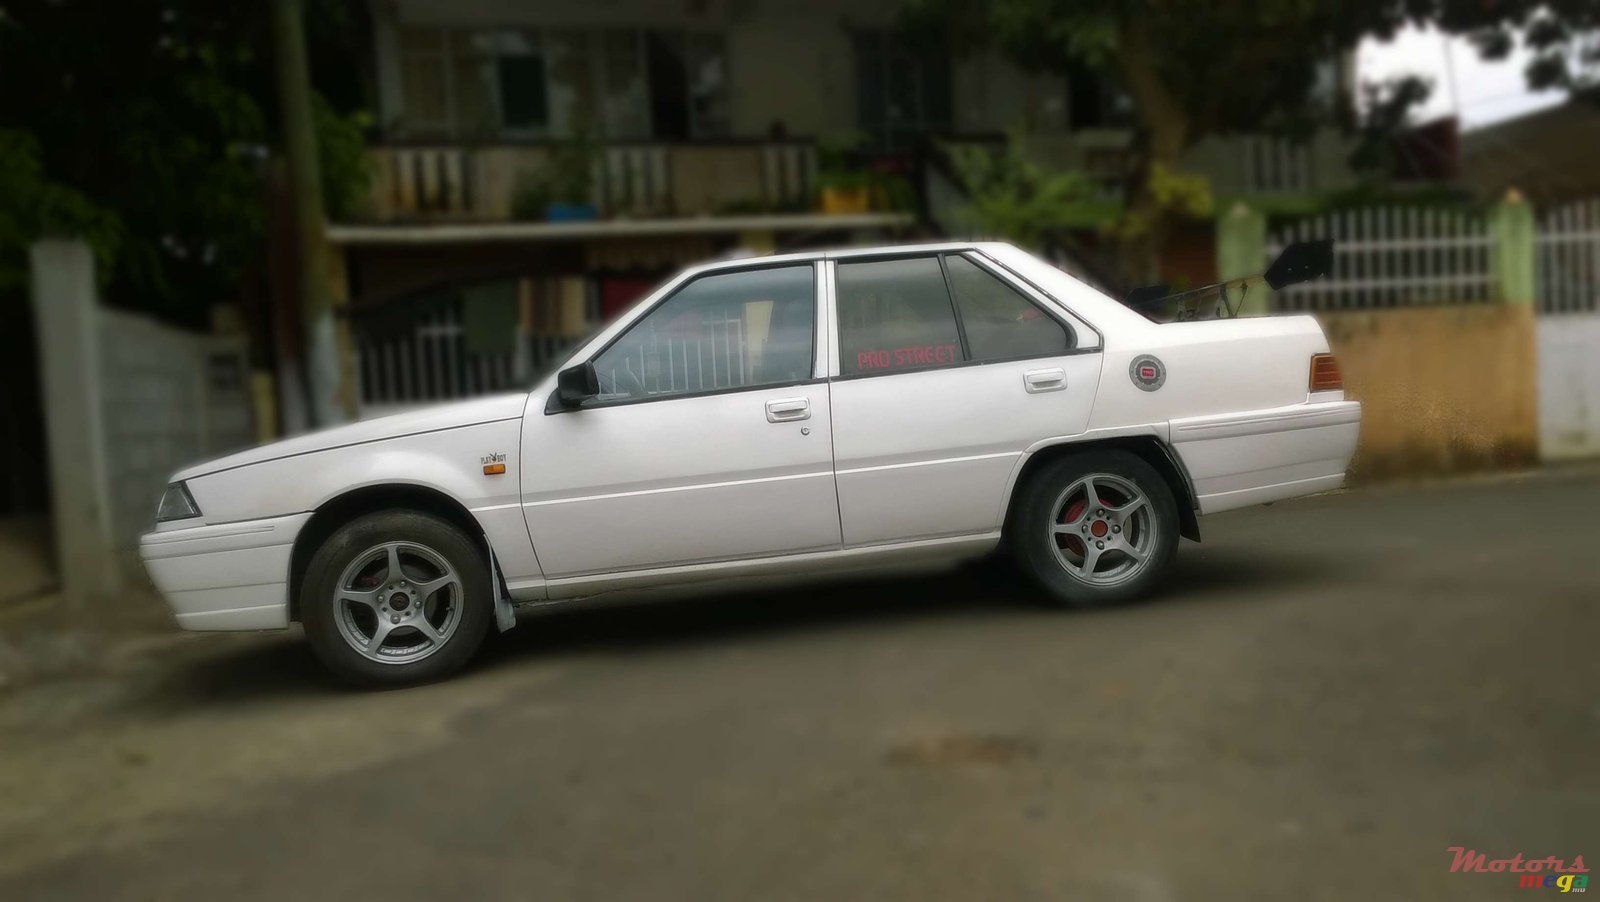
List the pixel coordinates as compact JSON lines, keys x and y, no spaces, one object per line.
{"x":789,"y":61}
{"x":1442,"y":388}
{"x":794,"y":69}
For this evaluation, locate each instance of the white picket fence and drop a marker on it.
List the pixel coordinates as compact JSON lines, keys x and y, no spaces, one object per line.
{"x":1567,"y":258}
{"x":428,"y":361}
{"x":1387,"y":257}
{"x":1392,"y":257}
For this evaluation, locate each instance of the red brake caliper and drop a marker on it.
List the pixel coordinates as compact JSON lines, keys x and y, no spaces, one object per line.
{"x":1073,"y":511}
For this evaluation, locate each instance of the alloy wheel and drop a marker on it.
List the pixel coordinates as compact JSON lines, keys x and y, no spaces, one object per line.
{"x":398,"y":602}
{"x":1103,"y":529}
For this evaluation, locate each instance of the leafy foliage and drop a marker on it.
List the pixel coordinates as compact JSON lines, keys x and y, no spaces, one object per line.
{"x":1389,"y":105}
{"x":157,"y":114}
{"x":1560,"y":35}
{"x":1194,"y":68}
{"x":35,"y":207}
{"x":1012,"y":197}
{"x":342,"y":157}
{"x":566,"y":176}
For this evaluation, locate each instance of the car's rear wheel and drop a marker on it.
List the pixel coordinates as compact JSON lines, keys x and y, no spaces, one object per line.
{"x":396,"y":598}
{"x":1095,"y":528}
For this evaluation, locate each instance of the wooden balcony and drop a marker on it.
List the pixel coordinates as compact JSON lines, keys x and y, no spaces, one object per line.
{"x":480,"y":183}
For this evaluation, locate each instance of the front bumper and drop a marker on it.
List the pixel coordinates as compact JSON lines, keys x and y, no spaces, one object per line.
{"x":228,"y":576}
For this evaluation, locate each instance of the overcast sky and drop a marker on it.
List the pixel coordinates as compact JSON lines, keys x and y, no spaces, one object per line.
{"x":1484,"y":93}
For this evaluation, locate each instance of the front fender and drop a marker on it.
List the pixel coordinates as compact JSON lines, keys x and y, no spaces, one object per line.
{"x":450,"y":462}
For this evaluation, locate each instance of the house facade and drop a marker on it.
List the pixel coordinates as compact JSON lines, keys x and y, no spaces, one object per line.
{"x":548,"y":161}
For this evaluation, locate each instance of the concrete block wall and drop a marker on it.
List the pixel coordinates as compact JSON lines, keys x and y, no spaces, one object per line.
{"x":170,"y":398}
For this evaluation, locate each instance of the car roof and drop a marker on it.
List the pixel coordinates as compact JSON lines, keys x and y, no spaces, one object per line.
{"x":844,"y":253}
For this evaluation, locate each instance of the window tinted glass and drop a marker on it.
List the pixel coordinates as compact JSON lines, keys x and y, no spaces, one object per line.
{"x":1000,"y":322}
{"x":895,"y":315}
{"x":733,"y":330}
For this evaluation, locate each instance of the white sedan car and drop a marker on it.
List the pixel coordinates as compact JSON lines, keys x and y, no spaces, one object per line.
{"x":777,"y":415}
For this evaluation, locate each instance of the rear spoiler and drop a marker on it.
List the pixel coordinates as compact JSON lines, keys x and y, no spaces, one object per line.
{"x":1299,"y":262}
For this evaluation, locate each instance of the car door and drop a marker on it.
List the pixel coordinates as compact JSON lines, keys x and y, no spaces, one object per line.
{"x":708,"y":441}
{"x":947,"y":371}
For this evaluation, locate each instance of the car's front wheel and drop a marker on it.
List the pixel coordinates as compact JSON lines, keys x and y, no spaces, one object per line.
{"x":1095,"y":528}
{"x":395,"y":598}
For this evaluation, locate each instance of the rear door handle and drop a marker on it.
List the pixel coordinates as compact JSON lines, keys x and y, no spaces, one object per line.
{"x":787,"y":410}
{"x":1045,"y":380}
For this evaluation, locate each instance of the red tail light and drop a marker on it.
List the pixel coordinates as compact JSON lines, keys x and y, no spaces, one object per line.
{"x":1325,"y":374}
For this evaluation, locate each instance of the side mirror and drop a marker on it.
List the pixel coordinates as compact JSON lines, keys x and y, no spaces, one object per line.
{"x":576,"y":384}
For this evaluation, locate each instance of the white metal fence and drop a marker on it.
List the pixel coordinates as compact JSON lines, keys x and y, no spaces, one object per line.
{"x":426,"y":358}
{"x":1392,"y":257}
{"x":1567,"y":280}
{"x":1567,"y":258}
{"x":707,"y":354}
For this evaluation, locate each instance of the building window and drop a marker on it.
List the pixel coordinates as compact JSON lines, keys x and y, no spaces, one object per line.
{"x":612,"y":83}
{"x":423,"y":80}
{"x":902,"y":92}
{"x":1095,"y":100}
{"x":517,"y":59}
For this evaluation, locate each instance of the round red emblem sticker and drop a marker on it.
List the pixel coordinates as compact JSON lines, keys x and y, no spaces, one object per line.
{"x":1147,"y":372}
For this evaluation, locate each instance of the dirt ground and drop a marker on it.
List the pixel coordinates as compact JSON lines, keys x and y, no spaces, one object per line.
{"x":1328,"y":694}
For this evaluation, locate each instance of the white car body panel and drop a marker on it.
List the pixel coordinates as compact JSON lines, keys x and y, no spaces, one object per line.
{"x":928,"y":454}
{"x":225,"y":577}
{"x":654,"y":484}
{"x":883,"y":468}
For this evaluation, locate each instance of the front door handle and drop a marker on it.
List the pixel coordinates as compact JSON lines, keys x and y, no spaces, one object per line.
{"x":787,"y":410}
{"x":1045,"y":380}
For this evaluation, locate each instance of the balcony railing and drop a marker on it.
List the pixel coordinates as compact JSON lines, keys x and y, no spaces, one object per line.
{"x":480,"y":184}
{"x":1236,"y":165}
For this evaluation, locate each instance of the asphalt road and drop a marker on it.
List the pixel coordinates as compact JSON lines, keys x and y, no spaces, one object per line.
{"x":1329,"y":694}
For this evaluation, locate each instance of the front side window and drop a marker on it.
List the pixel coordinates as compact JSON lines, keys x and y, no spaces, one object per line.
{"x":722,"y":331}
{"x":999,"y":322}
{"x":895,"y":315}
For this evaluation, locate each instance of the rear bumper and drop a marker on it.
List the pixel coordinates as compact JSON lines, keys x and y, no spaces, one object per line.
{"x":1240,"y":459}
{"x":230,"y":576}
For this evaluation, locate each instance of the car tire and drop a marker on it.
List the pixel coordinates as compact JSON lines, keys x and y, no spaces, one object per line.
{"x":432,"y":614}
{"x":1095,"y":528}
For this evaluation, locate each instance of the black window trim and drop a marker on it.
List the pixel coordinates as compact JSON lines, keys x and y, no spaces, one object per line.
{"x":950,"y":295}
{"x":980,"y":261}
{"x":817,"y":276}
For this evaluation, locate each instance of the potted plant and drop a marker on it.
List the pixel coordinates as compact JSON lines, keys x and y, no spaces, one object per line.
{"x":845,"y":186}
{"x":562,"y":189}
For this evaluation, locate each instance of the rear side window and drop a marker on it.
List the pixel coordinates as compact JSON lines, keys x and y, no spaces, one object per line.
{"x":905,"y":314}
{"x":1000,"y":323}
{"x":895,"y":315}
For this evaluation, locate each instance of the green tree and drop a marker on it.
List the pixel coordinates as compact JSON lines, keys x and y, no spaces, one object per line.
{"x":145,"y":123}
{"x":1012,"y":197}
{"x":1194,"y":68}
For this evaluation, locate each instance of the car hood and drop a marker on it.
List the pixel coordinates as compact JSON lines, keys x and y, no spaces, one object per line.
{"x":412,"y":422}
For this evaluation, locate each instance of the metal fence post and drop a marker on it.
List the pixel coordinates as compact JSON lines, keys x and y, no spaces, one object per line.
{"x":1242,"y":251}
{"x":1512,"y":254}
